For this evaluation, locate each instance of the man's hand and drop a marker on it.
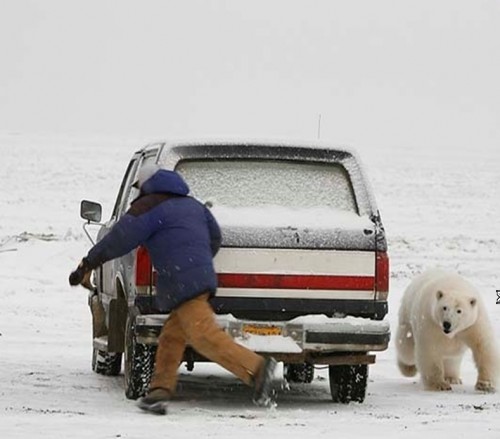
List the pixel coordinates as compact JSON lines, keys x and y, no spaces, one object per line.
{"x":81,"y":276}
{"x":86,"y":283}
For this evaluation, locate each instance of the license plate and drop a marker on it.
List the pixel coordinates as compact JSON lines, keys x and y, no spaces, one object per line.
{"x":262,"y":329}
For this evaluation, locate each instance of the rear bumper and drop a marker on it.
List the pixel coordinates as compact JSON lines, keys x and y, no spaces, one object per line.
{"x":310,"y":338}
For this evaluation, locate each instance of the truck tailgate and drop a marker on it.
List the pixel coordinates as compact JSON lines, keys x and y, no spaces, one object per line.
{"x":296,"y":274}
{"x":279,"y":284}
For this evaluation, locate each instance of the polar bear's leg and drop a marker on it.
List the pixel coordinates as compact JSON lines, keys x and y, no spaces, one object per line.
{"x":487,"y":362}
{"x":452,"y":369}
{"x":405,"y":347}
{"x":430,"y":366}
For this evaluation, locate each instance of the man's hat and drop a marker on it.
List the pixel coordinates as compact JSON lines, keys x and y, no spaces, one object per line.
{"x":145,"y":173}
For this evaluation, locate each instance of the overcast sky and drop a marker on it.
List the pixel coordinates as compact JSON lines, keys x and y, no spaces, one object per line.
{"x":409,"y":73}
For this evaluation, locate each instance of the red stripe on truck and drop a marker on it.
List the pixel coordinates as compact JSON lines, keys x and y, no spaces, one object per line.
{"x":298,"y":282}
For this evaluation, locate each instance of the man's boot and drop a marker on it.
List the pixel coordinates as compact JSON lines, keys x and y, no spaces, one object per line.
{"x":263,"y":383}
{"x":156,"y":401}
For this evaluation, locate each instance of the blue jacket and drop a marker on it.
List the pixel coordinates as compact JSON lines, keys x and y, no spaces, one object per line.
{"x":180,"y":234}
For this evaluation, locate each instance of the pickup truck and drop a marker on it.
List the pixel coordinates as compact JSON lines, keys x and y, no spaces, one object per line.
{"x":303,"y":271}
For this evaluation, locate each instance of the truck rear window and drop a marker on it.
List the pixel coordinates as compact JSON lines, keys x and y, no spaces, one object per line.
{"x":260,"y":183}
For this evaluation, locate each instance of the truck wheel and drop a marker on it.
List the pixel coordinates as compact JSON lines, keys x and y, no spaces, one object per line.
{"x":106,"y":363}
{"x":139,"y":363}
{"x":299,"y":373}
{"x":348,"y":382}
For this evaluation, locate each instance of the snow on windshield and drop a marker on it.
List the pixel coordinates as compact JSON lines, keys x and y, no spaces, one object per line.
{"x":264,"y":183}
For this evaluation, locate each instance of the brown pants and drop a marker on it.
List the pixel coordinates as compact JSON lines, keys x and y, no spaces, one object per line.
{"x":193,"y":324}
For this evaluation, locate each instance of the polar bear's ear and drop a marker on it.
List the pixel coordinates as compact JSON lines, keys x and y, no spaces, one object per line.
{"x":439,"y":295}
{"x":473,"y":302}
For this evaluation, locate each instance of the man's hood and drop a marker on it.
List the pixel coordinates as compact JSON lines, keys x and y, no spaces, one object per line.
{"x":164,"y":181}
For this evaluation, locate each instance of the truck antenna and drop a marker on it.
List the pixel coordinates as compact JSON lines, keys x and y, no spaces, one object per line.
{"x":319,"y":126}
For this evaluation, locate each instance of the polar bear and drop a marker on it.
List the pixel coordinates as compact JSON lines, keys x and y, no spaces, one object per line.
{"x":441,"y":314}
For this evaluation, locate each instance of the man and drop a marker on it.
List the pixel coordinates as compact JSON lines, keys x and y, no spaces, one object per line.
{"x":182,"y":236}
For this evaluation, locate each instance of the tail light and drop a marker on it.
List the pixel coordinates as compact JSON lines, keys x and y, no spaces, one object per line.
{"x":382,"y":275}
{"x":143,"y":269}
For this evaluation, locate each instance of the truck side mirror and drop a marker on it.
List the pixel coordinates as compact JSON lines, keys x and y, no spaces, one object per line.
{"x":90,"y":211}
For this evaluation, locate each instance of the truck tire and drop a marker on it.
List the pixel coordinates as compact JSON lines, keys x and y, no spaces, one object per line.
{"x":106,"y":363}
{"x":299,"y":373}
{"x":348,"y":382}
{"x":138,"y":364}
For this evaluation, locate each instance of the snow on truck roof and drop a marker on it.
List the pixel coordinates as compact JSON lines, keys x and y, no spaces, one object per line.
{"x":275,"y":143}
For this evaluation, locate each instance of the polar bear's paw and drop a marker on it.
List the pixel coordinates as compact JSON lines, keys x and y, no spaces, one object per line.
{"x":407,"y":370}
{"x":485,"y":386}
{"x":438,"y":386}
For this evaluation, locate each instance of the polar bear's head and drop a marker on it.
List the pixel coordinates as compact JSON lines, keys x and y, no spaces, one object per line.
{"x":454,"y":312}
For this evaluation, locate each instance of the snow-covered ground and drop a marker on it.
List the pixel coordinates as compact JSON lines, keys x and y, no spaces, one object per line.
{"x":440,"y":207}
